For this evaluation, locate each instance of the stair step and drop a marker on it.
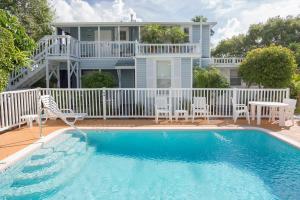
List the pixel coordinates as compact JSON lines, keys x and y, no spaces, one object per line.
{"x":48,"y":148}
{"x":62,"y":149}
{"x":37,"y":176}
{"x":42,"y":189}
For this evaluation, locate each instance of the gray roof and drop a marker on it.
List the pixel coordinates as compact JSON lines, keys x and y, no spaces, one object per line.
{"x":125,"y":62}
{"x":72,"y":24}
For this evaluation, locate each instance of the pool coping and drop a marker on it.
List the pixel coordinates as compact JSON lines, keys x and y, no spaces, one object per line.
{"x":9,"y":161}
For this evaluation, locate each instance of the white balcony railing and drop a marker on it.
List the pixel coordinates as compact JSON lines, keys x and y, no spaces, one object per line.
{"x":99,"y":49}
{"x":63,"y":45}
{"x":154,"y":49}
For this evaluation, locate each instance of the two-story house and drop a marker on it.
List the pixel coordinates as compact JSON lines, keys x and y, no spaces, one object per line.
{"x":79,"y":48}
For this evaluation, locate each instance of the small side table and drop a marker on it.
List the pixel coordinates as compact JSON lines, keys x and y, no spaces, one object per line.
{"x":29,"y":119}
{"x":182,"y":114}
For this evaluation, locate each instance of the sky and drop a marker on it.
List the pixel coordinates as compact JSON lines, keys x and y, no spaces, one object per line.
{"x":232,"y":16}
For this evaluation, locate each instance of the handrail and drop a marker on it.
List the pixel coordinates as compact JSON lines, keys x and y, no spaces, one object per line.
{"x":70,"y":124}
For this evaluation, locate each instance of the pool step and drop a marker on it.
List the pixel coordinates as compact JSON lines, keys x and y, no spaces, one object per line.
{"x":56,"y":154}
{"x":40,"y":190}
{"x":48,"y":148}
{"x":46,"y":173}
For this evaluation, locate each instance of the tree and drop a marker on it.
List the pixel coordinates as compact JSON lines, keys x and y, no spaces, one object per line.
{"x":278,"y":31}
{"x":198,"y":18}
{"x":209,"y":78}
{"x":98,"y":80}
{"x":34,"y":15}
{"x":270,"y":67}
{"x":295,"y":47}
{"x":15,"y":46}
{"x":175,"y":35}
{"x":155,"y":33}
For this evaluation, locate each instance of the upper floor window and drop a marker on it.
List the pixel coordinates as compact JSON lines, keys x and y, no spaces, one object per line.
{"x":186,"y":30}
{"x":123,"y":35}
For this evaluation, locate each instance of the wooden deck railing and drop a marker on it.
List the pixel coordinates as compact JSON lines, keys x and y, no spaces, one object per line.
{"x":128,"y":103}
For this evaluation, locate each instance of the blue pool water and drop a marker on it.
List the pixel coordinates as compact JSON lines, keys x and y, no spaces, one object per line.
{"x":117,"y":165}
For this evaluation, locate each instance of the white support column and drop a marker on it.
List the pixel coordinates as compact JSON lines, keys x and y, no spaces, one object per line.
{"x":47,"y":74}
{"x":119,"y":77}
{"x":99,"y":33}
{"x":58,"y":76}
{"x":69,"y":74}
{"x":139,"y":34}
{"x":119,"y":49}
{"x":77,"y":74}
{"x":79,"y":34}
{"x":200,"y":41}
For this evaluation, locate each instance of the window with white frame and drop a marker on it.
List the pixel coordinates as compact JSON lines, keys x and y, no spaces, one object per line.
{"x":163,"y":73}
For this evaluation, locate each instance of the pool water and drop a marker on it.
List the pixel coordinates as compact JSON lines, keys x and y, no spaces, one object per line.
{"x":117,"y":165}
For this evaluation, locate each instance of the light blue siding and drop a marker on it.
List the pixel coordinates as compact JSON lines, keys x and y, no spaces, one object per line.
{"x":196,"y":33}
{"x":186,"y":72}
{"x":140,"y":73}
{"x":205,"y":38}
{"x":205,"y":42}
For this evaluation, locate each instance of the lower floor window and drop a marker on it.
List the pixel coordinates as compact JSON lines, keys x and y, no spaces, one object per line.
{"x":235,"y":79}
{"x":163,"y":74}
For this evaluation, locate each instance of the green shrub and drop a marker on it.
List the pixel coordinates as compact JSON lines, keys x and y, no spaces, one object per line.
{"x":98,"y":80}
{"x":270,"y":67}
{"x":209,"y":78}
{"x":156,"y":34}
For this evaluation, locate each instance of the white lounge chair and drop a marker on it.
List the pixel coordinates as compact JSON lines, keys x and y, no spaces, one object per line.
{"x":289,"y":112}
{"x":200,"y":108}
{"x":239,"y":109}
{"x":162,"y":108}
{"x":52,"y":111}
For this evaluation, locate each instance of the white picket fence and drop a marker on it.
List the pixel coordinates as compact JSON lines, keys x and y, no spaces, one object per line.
{"x":128,"y":103}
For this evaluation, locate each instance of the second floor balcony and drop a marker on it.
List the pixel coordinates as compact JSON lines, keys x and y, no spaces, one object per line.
{"x":66,"y":46}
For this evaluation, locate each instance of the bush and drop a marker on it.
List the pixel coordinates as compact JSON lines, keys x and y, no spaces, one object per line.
{"x":155,"y":33}
{"x":270,"y":67}
{"x":209,"y":78}
{"x":98,"y":80}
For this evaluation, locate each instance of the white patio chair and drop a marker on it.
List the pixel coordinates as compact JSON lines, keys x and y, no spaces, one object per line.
{"x":52,"y":111}
{"x":200,"y":108}
{"x":289,"y":112}
{"x":162,"y":108}
{"x":238,"y":110}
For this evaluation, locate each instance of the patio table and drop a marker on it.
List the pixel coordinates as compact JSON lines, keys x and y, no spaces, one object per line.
{"x":260,"y":104}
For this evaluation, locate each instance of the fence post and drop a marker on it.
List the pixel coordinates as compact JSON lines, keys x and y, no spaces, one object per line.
{"x":39,"y":110}
{"x":136,"y":48}
{"x":104,"y":102}
{"x":287,"y":94}
{"x":234,"y":95}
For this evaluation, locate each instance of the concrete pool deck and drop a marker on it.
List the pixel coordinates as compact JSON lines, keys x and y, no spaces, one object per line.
{"x":16,"y":139}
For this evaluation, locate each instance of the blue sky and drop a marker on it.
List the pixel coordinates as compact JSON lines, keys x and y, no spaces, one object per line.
{"x":233,"y":16}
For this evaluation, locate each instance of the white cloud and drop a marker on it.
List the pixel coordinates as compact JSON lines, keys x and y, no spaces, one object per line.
{"x":233,"y":16}
{"x":241,"y":16}
{"x":79,"y":10}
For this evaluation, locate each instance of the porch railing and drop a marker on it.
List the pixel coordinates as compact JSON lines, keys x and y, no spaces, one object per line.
{"x":129,"y":103}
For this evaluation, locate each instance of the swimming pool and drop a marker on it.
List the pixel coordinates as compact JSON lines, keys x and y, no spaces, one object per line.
{"x":161,"y":164}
